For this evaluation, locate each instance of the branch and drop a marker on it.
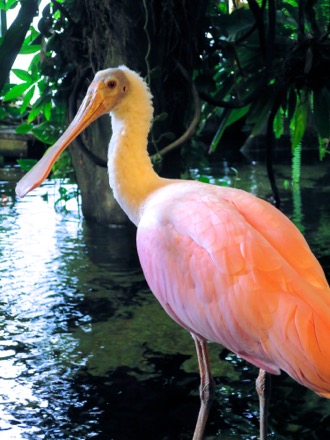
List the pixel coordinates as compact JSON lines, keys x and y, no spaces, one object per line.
{"x":301,"y":20}
{"x":270,"y":142}
{"x":192,"y":126}
{"x":271,"y":35}
{"x":14,"y":38}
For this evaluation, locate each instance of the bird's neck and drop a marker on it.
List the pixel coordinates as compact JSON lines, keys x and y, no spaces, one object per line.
{"x":131,"y":174}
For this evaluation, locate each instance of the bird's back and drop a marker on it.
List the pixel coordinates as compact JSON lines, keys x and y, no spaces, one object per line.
{"x":233,"y":269}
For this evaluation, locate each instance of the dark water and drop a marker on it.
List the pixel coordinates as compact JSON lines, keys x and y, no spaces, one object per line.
{"x":87,"y":352}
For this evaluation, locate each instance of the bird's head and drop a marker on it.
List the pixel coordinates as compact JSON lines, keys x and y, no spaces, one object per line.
{"x":112,"y":90}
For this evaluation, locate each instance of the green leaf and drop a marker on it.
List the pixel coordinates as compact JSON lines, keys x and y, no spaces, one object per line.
{"x":16,"y":91}
{"x":47,"y":110}
{"x":27,"y":99}
{"x":23,"y":128}
{"x":204,"y":179}
{"x":225,"y":84}
{"x":222,"y":7}
{"x":229,"y":117}
{"x":9,"y":4}
{"x":31,"y":48}
{"x":3,"y":113}
{"x":237,"y":114}
{"x":43,"y":99}
{"x":26,"y":164}
{"x":299,"y":121}
{"x":62,"y":191}
{"x":34,"y":67}
{"x":23,"y":75}
{"x":46,"y":132}
{"x":220,"y":131}
{"x":33,"y":113}
{"x":279,"y":124}
{"x":296,"y":164}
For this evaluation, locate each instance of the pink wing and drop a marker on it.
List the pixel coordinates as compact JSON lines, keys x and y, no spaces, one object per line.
{"x":234,"y":270}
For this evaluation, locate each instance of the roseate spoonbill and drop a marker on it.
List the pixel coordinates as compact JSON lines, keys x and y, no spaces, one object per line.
{"x":225,"y":265}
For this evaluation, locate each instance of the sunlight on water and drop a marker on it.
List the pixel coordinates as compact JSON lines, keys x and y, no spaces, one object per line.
{"x":32,"y":240}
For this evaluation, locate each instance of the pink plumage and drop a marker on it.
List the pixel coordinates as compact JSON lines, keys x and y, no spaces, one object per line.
{"x":227,"y":266}
{"x":232,"y":269}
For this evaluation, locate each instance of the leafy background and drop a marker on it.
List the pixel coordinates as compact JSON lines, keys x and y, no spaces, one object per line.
{"x":264,"y":63}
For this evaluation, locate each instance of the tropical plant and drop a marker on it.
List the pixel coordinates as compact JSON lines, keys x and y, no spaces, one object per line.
{"x":35,"y":101}
{"x":261,"y":61}
{"x":268,"y":62}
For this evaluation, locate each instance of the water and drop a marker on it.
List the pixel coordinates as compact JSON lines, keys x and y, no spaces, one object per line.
{"x":86,"y":352}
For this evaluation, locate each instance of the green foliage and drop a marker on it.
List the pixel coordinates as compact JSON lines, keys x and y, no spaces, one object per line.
{"x":296,"y":164}
{"x":262,"y":61}
{"x":299,"y":120}
{"x":268,"y":61}
{"x":7,"y":4}
{"x":279,"y":124}
{"x":65,"y":196}
{"x":62,"y":167}
{"x":36,"y":101}
{"x":26,"y":164}
{"x":228,"y":118}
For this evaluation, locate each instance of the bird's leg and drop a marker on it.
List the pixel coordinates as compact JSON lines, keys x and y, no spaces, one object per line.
{"x":207,"y":387}
{"x":263,"y":384}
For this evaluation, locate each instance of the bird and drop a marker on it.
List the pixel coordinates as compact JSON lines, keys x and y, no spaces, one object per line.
{"x":227,"y":266}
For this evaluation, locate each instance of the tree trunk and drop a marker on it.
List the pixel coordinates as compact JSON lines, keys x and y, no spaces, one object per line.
{"x":150,"y":37}
{"x":13,"y":38}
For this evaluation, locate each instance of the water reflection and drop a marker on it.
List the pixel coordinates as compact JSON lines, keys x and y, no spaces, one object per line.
{"x":86,"y":351}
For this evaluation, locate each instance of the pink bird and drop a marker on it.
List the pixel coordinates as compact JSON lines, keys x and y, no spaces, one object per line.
{"x":228,"y":267}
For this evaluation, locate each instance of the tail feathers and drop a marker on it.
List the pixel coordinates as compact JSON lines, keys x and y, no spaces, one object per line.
{"x":304,"y":352}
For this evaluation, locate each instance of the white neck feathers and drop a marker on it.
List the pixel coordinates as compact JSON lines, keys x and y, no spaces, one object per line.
{"x":131,"y":175}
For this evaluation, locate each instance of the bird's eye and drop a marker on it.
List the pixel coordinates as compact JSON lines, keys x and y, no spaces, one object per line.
{"x":111,"y":84}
